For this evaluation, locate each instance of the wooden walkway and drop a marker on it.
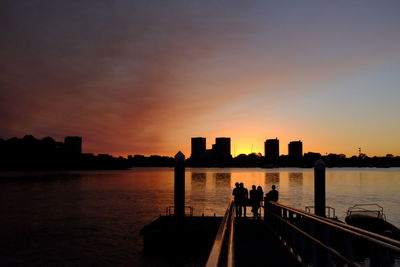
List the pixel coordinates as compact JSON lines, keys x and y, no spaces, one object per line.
{"x":255,"y":245}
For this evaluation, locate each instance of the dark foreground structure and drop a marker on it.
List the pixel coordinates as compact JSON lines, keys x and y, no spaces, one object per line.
{"x":283,"y":237}
{"x":188,"y":244}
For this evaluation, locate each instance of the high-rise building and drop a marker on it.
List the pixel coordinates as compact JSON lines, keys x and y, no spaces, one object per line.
{"x":73,"y":145}
{"x":198,"y":147}
{"x":222,"y":148}
{"x":295,"y":149}
{"x":271,"y":149}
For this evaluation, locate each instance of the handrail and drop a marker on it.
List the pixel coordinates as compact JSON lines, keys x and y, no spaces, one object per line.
{"x":360,"y":208}
{"x":379,"y":237}
{"x":329,"y":249}
{"x":169,"y":211}
{"x":289,"y":222}
{"x":361,"y":233}
{"x":224,"y":234}
{"x":328,"y":210}
{"x":231,"y":243}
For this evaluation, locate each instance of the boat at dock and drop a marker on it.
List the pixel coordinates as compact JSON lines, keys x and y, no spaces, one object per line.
{"x":371,"y":217}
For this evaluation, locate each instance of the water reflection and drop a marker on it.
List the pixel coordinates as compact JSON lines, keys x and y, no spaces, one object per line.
{"x":295,"y":187}
{"x":222,"y":180}
{"x":295,"y":178}
{"x":198,"y":195}
{"x":272,"y":178}
{"x":58,"y":212}
{"x":198,"y":182}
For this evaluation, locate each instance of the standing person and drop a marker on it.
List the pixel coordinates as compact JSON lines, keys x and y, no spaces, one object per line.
{"x":244,"y":196}
{"x":273,"y":195}
{"x":236,"y":200}
{"x":260,"y":195}
{"x":254,"y":201}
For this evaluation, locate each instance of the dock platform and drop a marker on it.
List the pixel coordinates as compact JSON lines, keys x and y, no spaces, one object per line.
{"x":192,"y":242}
{"x":284,"y":236}
{"x":256,"y":245}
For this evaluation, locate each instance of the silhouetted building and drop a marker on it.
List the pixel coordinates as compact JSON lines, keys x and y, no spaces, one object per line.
{"x":271,"y":149}
{"x":222,"y":147}
{"x":295,"y":149}
{"x":48,"y":150}
{"x":73,"y":145}
{"x":2,"y":144}
{"x":209,"y":154}
{"x":198,"y":147}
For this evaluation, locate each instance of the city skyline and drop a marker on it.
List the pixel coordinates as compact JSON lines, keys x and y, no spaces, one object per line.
{"x":207,"y":148}
{"x":139,"y":77}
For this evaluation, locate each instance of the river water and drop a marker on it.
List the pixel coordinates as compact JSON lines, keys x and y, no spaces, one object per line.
{"x":93,"y":218}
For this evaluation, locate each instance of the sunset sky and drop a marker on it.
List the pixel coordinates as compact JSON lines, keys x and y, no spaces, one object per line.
{"x":143,"y":77}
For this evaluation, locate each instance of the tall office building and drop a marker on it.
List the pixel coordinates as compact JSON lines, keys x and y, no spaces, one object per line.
{"x":222,"y":148}
{"x":271,"y":149}
{"x":198,"y":147}
{"x":73,"y":145}
{"x":295,"y":149}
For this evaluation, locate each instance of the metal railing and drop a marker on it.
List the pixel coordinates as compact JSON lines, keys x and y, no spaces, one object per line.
{"x":329,"y":211}
{"x":372,"y":209}
{"x":169,"y":211}
{"x":222,"y":252}
{"x":318,"y":241}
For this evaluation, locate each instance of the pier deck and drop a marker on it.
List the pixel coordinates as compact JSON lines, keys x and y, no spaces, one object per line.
{"x":285,"y":236}
{"x":256,"y":245}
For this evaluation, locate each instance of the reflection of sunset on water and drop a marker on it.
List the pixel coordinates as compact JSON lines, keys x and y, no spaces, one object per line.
{"x":112,"y":206}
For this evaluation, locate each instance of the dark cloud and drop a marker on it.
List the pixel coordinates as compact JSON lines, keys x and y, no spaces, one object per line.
{"x":133,"y":76}
{"x":106,"y":71}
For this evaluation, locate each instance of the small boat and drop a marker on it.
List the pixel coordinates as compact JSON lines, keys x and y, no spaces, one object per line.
{"x":370,"y":217}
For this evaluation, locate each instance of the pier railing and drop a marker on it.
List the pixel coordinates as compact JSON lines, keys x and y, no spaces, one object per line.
{"x":222,"y":252}
{"x":170,"y":211}
{"x":329,"y":211}
{"x":319,"y":241}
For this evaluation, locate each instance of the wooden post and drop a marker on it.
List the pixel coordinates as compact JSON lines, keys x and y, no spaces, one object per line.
{"x":179,"y":186}
{"x":319,"y":187}
{"x":179,"y":208}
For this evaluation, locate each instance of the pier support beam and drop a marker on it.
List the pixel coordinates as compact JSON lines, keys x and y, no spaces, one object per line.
{"x":179,"y":187}
{"x":319,"y":187}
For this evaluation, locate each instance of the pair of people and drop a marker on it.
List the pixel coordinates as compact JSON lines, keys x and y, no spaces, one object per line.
{"x":240,"y":197}
{"x":256,"y":196}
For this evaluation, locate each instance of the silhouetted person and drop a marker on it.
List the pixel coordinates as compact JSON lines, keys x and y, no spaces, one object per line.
{"x":244,"y":195}
{"x":273,"y":195}
{"x":260,"y":195}
{"x":254,"y":201}
{"x":236,"y":199}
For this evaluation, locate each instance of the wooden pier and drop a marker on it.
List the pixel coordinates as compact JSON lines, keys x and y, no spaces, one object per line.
{"x":284,"y":236}
{"x":255,"y":245}
{"x":162,"y":236}
{"x":291,"y":237}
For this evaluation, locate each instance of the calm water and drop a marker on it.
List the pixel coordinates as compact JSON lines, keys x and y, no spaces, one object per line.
{"x":94,"y":217}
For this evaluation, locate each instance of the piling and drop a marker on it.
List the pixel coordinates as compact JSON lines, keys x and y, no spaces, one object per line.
{"x":179,"y":187}
{"x":319,"y":187}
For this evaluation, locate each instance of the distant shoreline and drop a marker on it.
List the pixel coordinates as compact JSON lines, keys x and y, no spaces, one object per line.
{"x":191,"y":167}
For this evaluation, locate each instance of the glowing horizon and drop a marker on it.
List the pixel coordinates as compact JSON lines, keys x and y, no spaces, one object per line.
{"x":143,"y":78}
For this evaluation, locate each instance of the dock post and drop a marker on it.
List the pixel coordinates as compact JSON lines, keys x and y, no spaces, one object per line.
{"x":179,"y":208}
{"x":179,"y":187}
{"x":319,"y":187}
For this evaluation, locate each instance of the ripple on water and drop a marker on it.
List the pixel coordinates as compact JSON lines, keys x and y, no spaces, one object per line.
{"x":94,"y":218}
